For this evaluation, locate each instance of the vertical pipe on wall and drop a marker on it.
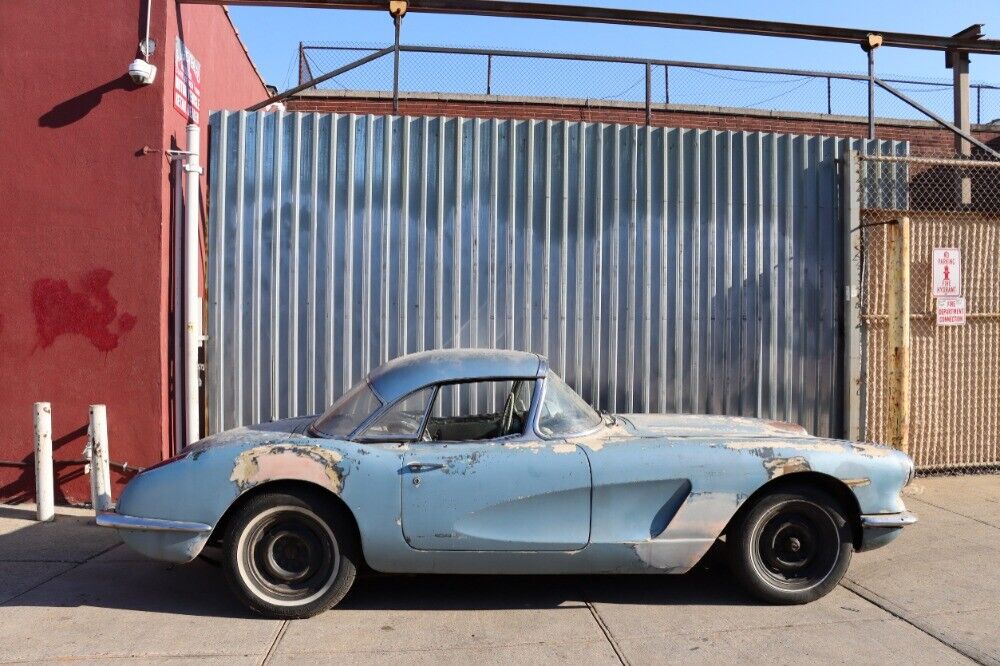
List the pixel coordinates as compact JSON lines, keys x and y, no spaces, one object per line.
{"x":179,"y":423}
{"x":192,"y":287}
{"x":44,"y":491}
{"x":100,"y":470}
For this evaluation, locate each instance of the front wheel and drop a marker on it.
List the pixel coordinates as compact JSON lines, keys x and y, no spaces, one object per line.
{"x":792,"y":546}
{"x":288,"y":556}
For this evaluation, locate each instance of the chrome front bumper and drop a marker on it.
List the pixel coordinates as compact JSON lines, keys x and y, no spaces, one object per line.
{"x":878,"y":529}
{"x":123,"y":522}
{"x":888,"y":520}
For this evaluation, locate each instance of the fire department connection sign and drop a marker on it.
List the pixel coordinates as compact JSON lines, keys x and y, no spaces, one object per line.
{"x":951,"y":312}
{"x":187,"y":82}
{"x":946,"y":263}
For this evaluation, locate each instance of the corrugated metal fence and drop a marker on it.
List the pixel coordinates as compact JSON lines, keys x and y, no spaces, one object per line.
{"x":658,"y":269}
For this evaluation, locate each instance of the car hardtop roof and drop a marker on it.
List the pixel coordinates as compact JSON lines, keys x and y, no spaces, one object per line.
{"x":404,"y":375}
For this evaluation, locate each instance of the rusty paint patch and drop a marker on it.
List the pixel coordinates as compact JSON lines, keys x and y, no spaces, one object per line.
{"x":778,"y":466}
{"x":285,"y":461}
{"x":858,"y":483}
{"x":564,"y":448}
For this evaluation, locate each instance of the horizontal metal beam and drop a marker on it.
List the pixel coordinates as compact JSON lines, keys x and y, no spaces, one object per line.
{"x":532,"y":10}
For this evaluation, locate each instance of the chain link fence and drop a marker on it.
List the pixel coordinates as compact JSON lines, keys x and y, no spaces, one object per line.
{"x":946,"y":409}
{"x":541,"y":75}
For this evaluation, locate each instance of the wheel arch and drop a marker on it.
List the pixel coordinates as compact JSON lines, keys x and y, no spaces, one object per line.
{"x":297,"y":487}
{"x":839,"y":490}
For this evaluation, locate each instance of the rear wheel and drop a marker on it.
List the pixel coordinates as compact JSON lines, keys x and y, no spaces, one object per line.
{"x":791,"y":547}
{"x":288,"y":556}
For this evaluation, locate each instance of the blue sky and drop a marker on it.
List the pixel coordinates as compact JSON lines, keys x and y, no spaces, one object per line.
{"x":273,"y":34}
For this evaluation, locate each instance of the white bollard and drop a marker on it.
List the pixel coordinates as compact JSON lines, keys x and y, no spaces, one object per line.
{"x":44,"y":491}
{"x":100,"y":469}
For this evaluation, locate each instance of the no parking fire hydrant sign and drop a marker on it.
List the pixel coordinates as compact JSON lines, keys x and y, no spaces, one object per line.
{"x":946,"y":266}
{"x":946,"y":263}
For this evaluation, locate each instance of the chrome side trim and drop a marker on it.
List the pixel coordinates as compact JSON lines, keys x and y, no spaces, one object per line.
{"x":888,"y":519}
{"x":123,"y":522}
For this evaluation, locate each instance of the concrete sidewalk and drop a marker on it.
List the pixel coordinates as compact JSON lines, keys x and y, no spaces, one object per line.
{"x":69,"y":592}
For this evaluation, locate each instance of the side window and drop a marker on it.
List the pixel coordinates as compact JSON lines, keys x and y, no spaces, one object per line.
{"x":402,"y":420}
{"x":471,"y":411}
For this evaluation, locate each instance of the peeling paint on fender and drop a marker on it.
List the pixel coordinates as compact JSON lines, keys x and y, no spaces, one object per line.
{"x":779,"y":466}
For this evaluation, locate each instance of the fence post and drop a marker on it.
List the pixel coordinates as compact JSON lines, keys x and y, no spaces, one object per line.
{"x":489,"y":74}
{"x":396,"y":19}
{"x":649,"y":92}
{"x":898,"y":353}
{"x":100,"y":468}
{"x":851,"y":210}
{"x":829,"y":96}
{"x":666,"y":84}
{"x":44,"y":491}
{"x":871,"y":89}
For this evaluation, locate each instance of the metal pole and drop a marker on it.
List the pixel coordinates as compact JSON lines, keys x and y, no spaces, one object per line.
{"x":829,"y":96}
{"x":100,"y":469}
{"x":44,"y":491}
{"x":192,"y":286}
{"x":898,"y":356}
{"x":649,"y":93}
{"x":397,"y":20}
{"x":301,"y":61}
{"x":871,"y":93}
{"x":853,"y":366}
{"x":666,"y":84}
{"x":979,"y":105}
{"x":489,"y":74}
{"x":179,"y":364}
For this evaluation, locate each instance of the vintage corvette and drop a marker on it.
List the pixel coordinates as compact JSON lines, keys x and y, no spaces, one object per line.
{"x":484,"y":461}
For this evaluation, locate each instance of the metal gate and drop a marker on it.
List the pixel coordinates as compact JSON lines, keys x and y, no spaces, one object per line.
{"x":943,"y":407}
{"x":658,"y":269}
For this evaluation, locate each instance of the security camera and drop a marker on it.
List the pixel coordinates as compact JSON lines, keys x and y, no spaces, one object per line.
{"x":141,"y":72}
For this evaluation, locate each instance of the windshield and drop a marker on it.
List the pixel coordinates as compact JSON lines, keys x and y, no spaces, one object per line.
{"x":345,"y":415}
{"x":563,"y":412}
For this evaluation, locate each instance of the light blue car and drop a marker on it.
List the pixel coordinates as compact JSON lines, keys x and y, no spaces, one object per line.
{"x":485,"y":461}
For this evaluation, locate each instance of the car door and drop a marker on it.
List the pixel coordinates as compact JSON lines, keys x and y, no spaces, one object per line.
{"x":508,"y":493}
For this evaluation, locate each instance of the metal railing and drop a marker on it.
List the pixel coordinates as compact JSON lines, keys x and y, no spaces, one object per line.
{"x":648,"y":81}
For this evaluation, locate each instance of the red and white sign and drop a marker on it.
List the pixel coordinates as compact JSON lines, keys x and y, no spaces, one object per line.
{"x":946,"y":264}
{"x":951,"y":312}
{"x":187,"y":82}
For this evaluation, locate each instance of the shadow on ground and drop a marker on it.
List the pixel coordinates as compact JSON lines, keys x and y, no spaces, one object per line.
{"x":119,"y":579}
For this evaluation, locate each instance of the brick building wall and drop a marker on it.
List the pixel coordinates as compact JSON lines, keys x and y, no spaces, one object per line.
{"x":925,"y":136}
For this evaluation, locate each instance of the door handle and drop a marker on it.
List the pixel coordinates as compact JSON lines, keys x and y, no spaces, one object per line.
{"x":417,"y":467}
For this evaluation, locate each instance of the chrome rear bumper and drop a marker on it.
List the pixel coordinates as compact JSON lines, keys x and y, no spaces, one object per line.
{"x":123,"y":522}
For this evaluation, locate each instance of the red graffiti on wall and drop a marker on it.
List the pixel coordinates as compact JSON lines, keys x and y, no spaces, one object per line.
{"x":91,"y":312}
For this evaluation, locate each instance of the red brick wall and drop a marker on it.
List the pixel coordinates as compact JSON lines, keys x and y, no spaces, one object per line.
{"x":923,"y":138}
{"x":85,"y":210}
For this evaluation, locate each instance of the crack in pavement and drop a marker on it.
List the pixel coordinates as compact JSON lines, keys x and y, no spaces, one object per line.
{"x":75,"y":566}
{"x":269,"y":655}
{"x":969,"y":652}
{"x":954,"y":513}
{"x":607,"y":633}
